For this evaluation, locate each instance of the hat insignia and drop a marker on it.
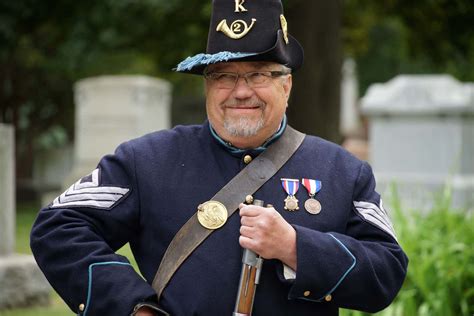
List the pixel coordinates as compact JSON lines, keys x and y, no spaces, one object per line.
{"x":239,"y":6}
{"x":237,"y":29}
{"x":284,"y":27}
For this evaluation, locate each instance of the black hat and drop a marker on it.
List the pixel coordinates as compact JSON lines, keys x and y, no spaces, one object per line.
{"x":252,"y":30}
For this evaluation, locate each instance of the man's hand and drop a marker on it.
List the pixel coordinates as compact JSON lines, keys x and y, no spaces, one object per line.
{"x":266,"y":232}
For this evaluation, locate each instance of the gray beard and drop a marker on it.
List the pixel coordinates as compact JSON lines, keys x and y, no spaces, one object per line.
{"x":243,"y":127}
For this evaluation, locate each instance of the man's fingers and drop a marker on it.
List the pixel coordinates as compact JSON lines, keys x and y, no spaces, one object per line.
{"x":247,"y":243}
{"x":250,"y":210}
{"x":247,"y":221}
{"x":247,"y":231}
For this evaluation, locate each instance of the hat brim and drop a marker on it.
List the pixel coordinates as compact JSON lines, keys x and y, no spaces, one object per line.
{"x":291,"y":55}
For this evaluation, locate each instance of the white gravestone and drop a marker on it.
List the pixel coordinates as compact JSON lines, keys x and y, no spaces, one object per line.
{"x":350,"y":124}
{"x":21,"y":281}
{"x":113,"y":109}
{"x":7,"y":190}
{"x":50,"y":168}
{"x":422,"y":138}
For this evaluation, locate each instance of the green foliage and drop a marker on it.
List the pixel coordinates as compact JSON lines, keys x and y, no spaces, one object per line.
{"x":441,"y":272}
{"x":441,"y":29}
{"x":399,"y":36}
{"x":46,"y":46}
{"x":439,"y":244}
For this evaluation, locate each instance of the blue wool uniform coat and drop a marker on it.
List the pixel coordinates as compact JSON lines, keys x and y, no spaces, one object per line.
{"x":347,"y":256}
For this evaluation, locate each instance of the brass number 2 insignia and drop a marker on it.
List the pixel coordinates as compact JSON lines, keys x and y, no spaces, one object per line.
{"x":237,"y":29}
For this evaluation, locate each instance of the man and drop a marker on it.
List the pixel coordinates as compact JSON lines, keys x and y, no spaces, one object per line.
{"x":327,"y":243}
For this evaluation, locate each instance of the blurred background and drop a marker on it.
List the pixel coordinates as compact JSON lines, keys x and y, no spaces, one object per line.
{"x":47,"y":47}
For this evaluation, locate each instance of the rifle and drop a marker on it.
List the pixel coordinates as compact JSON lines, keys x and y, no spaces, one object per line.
{"x":249,"y":277}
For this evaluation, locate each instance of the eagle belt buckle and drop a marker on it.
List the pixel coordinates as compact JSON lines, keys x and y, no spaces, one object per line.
{"x":212,"y":214}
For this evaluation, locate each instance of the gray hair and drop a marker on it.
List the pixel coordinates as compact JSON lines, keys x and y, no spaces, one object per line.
{"x":285,"y":69}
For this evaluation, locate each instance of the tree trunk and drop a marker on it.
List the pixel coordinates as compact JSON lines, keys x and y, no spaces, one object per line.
{"x":315,"y":102}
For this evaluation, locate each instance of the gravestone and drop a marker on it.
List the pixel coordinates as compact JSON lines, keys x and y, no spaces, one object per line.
{"x":50,"y":168}
{"x":7,"y":190}
{"x":111,"y":110}
{"x":350,"y":124}
{"x":422,"y":138}
{"x":21,"y":281}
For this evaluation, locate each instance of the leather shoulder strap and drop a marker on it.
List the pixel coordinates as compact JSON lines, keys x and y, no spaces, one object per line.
{"x":246,"y":182}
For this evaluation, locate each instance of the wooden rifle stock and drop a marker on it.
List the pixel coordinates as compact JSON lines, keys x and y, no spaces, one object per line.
{"x":249,"y":277}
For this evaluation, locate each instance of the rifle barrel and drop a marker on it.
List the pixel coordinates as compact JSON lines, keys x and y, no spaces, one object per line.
{"x":249,"y":277}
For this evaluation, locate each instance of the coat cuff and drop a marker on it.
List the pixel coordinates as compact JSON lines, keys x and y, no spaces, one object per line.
{"x":153,"y":306}
{"x":288,"y":273}
{"x":118,"y":283}
{"x":323,"y":262}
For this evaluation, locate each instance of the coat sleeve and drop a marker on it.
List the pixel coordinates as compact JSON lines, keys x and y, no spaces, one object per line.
{"x":361,"y":269}
{"x":74,"y":240}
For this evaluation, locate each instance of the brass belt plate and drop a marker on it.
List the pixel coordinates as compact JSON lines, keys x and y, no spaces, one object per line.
{"x":212,"y":214}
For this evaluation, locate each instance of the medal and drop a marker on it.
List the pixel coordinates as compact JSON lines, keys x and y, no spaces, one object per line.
{"x":291,"y":186}
{"x":212,"y":214}
{"x":312,"y":205}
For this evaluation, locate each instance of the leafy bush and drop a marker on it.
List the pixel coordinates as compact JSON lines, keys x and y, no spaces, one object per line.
{"x":440,"y":246}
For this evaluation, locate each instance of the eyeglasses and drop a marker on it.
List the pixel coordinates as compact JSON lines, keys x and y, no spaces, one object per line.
{"x":254,"y":79}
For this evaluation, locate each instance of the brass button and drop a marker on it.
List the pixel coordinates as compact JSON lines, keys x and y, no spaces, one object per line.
{"x":247,"y":159}
{"x":249,"y":199}
{"x":82,"y":307}
{"x":328,"y":298}
{"x":306,"y":293}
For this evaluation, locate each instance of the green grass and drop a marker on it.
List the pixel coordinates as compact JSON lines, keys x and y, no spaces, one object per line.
{"x":56,"y":308}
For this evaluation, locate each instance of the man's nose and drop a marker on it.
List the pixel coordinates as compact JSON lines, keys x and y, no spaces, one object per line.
{"x":242,"y":89}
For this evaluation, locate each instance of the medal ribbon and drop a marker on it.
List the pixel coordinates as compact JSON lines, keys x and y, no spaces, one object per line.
{"x":290,"y":186}
{"x":313,"y":186}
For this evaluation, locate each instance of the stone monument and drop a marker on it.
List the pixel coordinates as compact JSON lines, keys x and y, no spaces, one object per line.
{"x":422,"y":138}
{"x":350,"y":124}
{"x":21,"y":281}
{"x":111,"y":110}
{"x":7,"y":190}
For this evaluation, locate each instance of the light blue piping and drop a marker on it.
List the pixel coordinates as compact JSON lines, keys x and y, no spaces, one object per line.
{"x":206,"y":59}
{"x":89,"y":286}
{"x":348,"y":270}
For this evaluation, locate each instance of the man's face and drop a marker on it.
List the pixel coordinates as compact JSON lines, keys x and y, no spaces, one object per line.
{"x":243,"y":115}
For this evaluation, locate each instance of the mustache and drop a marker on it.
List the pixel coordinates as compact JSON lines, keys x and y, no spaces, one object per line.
{"x":244,"y":103}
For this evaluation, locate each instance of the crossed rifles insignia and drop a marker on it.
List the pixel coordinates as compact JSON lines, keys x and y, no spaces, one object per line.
{"x":239,"y":28}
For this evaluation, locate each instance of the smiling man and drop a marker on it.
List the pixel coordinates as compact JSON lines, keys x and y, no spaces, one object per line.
{"x":244,"y":104}
{"x":183,"y":200}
